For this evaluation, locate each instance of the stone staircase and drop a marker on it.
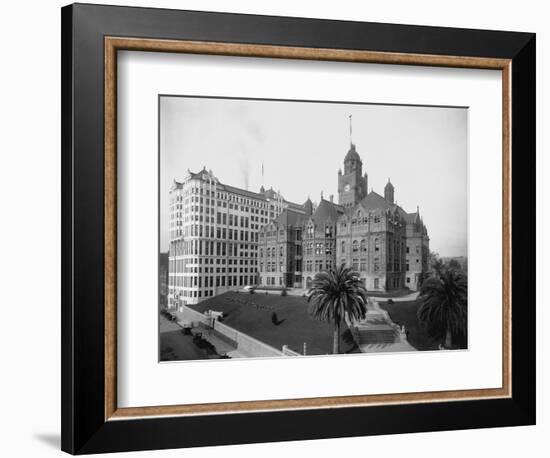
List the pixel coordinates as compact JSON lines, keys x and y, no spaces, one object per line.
{"x":376,"y":332}
{"x":376,"y":336}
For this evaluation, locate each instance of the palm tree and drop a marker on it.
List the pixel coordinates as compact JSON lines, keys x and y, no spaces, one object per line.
{"x":438,"y":266}
{"x":335,"y":294}
{"x":444,"y":305}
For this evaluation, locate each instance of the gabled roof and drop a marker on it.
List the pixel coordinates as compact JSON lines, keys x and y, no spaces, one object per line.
{"x":326,"y":211}
{"x":289,"y":217}
{"x":408,"y":217}
{"x":374,"y":201}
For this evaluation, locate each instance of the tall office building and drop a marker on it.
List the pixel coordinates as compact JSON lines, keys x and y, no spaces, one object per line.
{"x":213,"y":235}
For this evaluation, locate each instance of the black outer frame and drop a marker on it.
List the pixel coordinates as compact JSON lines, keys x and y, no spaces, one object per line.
{"x":84,"y":429}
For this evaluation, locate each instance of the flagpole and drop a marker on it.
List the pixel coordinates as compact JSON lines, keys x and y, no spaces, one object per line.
{"x":350,"y":131}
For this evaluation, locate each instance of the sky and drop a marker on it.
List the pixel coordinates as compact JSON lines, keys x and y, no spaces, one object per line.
{"x":423,"y":150}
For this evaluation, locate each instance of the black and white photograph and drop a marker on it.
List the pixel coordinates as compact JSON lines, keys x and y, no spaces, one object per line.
{"x":294,"y":228}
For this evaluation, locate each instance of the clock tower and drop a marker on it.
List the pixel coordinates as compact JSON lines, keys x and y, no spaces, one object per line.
{"x":352,"y":185}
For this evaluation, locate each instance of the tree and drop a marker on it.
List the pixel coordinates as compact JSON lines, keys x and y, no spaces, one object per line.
{"x":443,"y":306}
{"x":335,"y":294}
{"x":454,"y":264}
{"x":436,"y":263}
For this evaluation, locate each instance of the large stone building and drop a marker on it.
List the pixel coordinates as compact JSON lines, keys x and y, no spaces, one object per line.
{"x":224,"y":238}
{"x":369,"y":232}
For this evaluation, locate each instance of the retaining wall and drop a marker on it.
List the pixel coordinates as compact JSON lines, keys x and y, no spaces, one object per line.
{"x":245,"y":344}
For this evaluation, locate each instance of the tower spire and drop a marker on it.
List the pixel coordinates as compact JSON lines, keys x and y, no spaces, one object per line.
{"x":350,"y":131}
{"x":389,"y":192}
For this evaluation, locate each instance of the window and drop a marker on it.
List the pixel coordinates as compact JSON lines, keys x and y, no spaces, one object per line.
{"x":363,"y":246}
{"x":376,"y":264}
{"x":343,"y":247}
{"x":354,"y":246}
{"x":376,"y":245}
{"x":318,"y":248}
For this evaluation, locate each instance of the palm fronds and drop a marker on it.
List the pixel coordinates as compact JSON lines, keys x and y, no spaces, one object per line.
{"x":336,"y":294}
{"x":444,"y":304}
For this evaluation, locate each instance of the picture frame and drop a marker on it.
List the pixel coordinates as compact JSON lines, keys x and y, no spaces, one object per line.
{"x":92,"y":35}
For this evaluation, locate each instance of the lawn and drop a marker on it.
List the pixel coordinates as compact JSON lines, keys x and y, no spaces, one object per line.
{"x":252,"y":315}
{"x":404,"y":313}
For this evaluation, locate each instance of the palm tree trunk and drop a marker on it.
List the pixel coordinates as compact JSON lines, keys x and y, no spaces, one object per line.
{"x":336,"y":338}
{"x":448,"y":339}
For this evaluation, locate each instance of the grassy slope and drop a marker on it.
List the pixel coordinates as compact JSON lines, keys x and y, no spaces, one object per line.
{"x":405,"y":313}
{"x":251,"y":314}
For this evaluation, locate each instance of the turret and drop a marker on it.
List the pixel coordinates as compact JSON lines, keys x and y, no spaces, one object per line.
{"x":308,"y":207}
{"x":389,"y":192}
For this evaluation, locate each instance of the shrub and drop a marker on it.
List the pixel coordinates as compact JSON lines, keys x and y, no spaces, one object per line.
{"x":390,"y":301}
{"x":283,"y":292}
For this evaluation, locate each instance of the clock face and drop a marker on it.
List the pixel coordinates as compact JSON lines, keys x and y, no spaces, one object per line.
{"x":347,"y":187}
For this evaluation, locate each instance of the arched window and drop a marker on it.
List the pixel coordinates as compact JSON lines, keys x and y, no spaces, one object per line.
{"x":376,"y":246}
{"x":363,"y":246}
{"x":343,"y":246}
{"x":354,"y":246}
